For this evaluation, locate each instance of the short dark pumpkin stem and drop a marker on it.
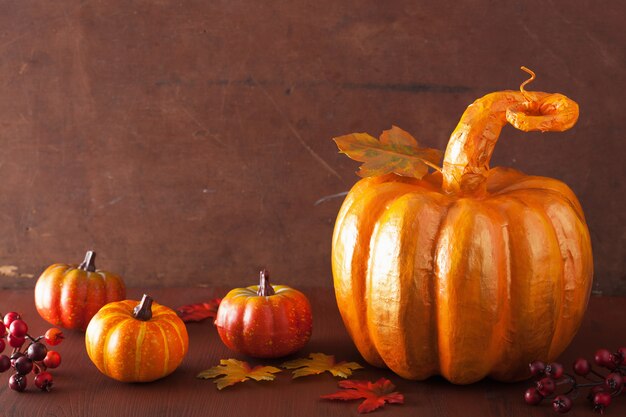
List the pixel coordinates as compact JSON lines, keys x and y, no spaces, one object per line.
{"x":89,"y":264}
{"x":143,"y":311}
{"x":265,"y":289}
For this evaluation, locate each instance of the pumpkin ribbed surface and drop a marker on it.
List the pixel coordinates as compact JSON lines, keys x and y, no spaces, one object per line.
{"x":432,"y":283}
{"x":265,"y":326}
{"x":68,"y":296}
{"x":472,"y":271}
{"x":131,"y":350}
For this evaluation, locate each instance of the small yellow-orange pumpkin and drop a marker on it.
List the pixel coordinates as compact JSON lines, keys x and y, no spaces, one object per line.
{"x":136,"y":341}
{"x":471,"y":272}
{"x":69,"y":295}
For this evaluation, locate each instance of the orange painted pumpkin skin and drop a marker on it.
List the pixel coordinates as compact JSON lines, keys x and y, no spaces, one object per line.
{"x":131,"y":349}
{"x":471,"y":272}
{"x":69,"y":295}
{"x":271,"y":323}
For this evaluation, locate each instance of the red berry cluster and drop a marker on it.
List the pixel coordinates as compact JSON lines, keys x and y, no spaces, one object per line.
{"x":27,"y":357}
{"x":602,"y":388}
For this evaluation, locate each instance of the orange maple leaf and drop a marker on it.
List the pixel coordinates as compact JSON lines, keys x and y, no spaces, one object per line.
{"x":235,"y":371}
{"x":396,"y":151}
{"x":318,"y":363}
{"x":375,"y":394}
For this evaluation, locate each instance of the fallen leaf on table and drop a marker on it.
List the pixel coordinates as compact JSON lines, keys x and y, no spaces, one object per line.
{"x":235,"y":371}
{"x":375,"y":394}
{"x":396,"y":151}
{"x":199,"y":311}
{"x":318,"y":363}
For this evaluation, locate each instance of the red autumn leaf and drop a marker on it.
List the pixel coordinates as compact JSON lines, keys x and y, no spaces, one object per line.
{"x":375,"y":394}
{"x":198,"y":312}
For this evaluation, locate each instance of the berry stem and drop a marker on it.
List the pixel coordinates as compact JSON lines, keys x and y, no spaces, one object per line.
{"x":601,"y":388}
{"x":599,"y":375}
{"x":33,"y":339}
{"x":568,"y":380}
{"x":591,"y":384}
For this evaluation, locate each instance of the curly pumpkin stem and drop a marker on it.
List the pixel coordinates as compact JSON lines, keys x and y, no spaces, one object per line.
{"x":265,"y":289}
{"x":89,"y":264}
{"x":143,"y":311}
{"x":469,"y":150}
{"x":528,"y":81}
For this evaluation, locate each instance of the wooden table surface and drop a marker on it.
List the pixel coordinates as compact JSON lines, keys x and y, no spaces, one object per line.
{"x":80,"y":390}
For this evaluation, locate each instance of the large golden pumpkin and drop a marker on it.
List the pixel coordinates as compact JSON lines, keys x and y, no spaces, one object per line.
{"x":471,"y":272}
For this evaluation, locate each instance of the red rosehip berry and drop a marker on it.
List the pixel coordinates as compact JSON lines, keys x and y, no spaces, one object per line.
{"x":562,"y":404}
{"x":43,"y":381}
{"x":537,"y":368}
{"x":23,"y":365}
{"x":601,"y":400}
{"x":554,"y":370}
{"x":37,"y":351}
{"x":545,"y":386}
{"x":17,"y":382}
{"x":532,"y":396}
{"x":603,"y":358}
{"x":3,"y":344}
{"x":52,"y":359}
{"x":3,"y":330}
{"x":15,"y":341}
{"x":593,"y":391}
{"x":54,"y":336}
{"x":613,"y":382}
{"x":15,"y":356}
{"x":582,"y":366}
{"x":10,"y":317}
{"x":18,"y":328}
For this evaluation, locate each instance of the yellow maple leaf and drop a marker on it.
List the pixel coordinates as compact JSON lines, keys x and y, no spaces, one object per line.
{"x":318,"y":363}
{"x":235,"y":371}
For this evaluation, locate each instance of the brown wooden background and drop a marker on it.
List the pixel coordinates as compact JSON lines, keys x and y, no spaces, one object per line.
{"x":188,"y":142}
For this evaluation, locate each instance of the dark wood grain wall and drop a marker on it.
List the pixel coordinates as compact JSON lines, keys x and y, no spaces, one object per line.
{"x":188,"y":142}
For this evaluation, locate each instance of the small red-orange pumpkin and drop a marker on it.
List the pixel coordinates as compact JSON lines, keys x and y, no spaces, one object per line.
{"x":134,"y":341}
{"x":69,"y":295}
{"x":265,"y":321}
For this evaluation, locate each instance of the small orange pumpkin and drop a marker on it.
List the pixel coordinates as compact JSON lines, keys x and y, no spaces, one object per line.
{"x":136,"y":342}
{"x":471,"y":272}
{"x":69,"y":295}
{"x":265,"y":321}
